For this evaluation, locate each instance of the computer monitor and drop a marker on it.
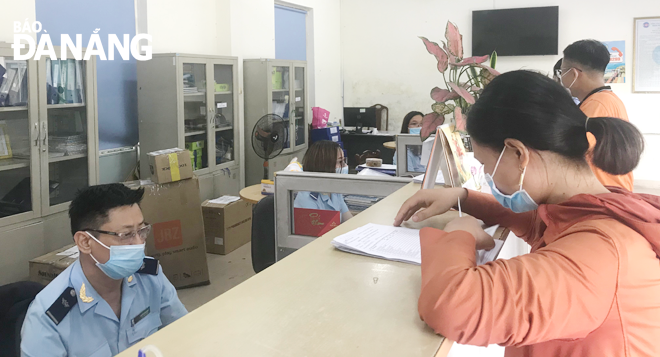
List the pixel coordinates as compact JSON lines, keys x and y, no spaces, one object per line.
{"x":360,"y":117}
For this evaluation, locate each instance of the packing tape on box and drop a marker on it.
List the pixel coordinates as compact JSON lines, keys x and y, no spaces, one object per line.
{"x":174,"y":166}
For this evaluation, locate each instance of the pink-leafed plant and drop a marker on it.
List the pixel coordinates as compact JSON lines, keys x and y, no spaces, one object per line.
{"x":464,"y":79}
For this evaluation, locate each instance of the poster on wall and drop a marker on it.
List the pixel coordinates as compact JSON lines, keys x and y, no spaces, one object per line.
{"x":646,"y":52}
{"x":616,"y":69}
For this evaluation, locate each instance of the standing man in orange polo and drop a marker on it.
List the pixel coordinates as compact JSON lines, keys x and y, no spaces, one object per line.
{"x":582,"y":73}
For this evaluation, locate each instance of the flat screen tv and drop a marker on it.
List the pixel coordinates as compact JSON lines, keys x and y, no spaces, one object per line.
{"x":516,"y":32}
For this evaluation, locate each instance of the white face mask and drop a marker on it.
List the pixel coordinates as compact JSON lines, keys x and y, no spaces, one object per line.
{"x":570,"y":86}
{"x":519,"y":201}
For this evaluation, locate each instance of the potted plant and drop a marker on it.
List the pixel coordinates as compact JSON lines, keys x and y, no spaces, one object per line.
{"x":464,"y":80}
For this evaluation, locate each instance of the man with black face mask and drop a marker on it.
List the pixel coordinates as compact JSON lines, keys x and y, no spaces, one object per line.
{"x":583,"y":74}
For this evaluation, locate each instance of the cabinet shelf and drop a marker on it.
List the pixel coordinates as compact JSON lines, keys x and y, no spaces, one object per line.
{"x":196,"y":132}
{"x":65,"y":106}
{"x":280,"y":90}
{"x":224,"y":128}
{"x":223,"y":93}
{"x":11,"y":164}
{"x":12,"y":109}
{"x":52,"y":159}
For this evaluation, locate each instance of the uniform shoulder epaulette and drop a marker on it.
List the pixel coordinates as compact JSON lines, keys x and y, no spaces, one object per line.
{"x":62,"y":305}
{"x":149,"y":266}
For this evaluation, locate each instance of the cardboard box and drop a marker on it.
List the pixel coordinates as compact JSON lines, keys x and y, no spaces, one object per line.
{"x":47,"y":267}
{"x":177,"y":237}
{"x":170,"y":165}
{"x":227,"y":226}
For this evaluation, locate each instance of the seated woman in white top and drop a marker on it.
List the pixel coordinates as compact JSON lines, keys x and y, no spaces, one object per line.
{"x":324,"y":156}
{"x":412,"y":124}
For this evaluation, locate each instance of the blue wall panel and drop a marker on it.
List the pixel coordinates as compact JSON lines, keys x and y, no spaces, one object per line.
{"x":290,"y":34}
{"x":117,"y":79}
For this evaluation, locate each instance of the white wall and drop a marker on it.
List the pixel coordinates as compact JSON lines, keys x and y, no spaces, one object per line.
{"x":188,"y":26}
{"x":384,"y":61}
{"x":14,"y":11}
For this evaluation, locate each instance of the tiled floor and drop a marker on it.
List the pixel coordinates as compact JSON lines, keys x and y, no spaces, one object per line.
{"x":225,"y":272}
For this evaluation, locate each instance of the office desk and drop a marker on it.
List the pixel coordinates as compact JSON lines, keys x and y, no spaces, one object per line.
{"x":316,"y":302}
{"x":358,"y":143}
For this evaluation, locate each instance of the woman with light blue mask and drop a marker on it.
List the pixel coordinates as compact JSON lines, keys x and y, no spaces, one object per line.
{"x":412,"y":124}
{"x":591,"y":284}
{"x":328,"y":157}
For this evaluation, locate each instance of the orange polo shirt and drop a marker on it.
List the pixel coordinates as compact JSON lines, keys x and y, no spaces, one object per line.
{"x":606,"y":104}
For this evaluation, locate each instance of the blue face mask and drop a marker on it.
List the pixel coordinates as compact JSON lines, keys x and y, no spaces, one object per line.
{"x":124,"y":260}
{"x":519,"y":201}
{"x":343,"y":170}
{"x":415,"y":130}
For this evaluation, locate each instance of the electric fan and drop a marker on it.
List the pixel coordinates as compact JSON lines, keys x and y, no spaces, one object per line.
{"x":268,"y":138}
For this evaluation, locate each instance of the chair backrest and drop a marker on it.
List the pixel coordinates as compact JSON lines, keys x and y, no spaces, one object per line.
{"x":382,"y":117}
{"x":263,"y":234}
{"x":15,"y":299}
{"x":367,"y":154}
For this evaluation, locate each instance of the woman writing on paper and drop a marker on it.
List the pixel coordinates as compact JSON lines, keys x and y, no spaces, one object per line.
{"x":412,"y":124}
{"x":324,"y":156}
{"x":591,"y":285}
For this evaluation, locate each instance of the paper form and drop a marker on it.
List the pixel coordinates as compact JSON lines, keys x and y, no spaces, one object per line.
{"x":396,"y":243}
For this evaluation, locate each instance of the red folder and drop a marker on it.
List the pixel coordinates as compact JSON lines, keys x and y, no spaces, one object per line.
{"x":314,"y":222}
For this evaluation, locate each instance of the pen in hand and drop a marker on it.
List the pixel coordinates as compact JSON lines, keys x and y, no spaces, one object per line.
{"x":460,"y":213}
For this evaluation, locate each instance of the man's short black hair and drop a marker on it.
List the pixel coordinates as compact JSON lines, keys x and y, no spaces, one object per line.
{"x":590,"y":53}
{"x":90,"y":207}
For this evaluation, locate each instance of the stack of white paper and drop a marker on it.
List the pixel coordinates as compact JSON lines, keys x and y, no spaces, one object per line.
{"x":397,"y":244}
{"x":440,"y":178}
{"x":224,"y":200}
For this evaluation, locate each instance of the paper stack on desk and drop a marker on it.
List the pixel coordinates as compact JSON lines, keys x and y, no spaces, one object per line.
{"x":397,"y":244}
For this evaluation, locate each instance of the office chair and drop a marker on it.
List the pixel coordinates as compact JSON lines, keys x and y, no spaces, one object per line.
{"x":382,"y":117}
{"x":263,"y":234}
{"x":15,"y":299}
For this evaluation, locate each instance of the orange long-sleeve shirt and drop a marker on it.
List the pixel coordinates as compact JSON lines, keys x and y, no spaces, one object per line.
{"x":606,"y":104}
{"x":590,"y":287}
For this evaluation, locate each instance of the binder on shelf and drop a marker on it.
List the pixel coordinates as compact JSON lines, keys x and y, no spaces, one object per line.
{"x":2,"y":73}
{"x":6,"y":84}
{"x":49,"y":81}
{"x":70,"y":89}
{"x":54,"y":96}
{"x":17,"y":95}
{"x":80,"y":89}
{"x":61,"y":86}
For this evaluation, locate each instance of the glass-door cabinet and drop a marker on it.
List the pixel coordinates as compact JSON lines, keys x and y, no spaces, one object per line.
{"x":68,"y":127}
{"x":276,"y":87}
{"x":48,"y":133}
{"x":19,"y":139}
{"x":191,"y":102}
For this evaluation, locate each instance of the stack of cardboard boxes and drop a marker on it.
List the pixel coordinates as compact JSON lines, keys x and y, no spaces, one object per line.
{"x":171,"y":204}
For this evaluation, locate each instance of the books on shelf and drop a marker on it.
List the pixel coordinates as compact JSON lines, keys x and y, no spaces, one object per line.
{"x":65,"y":82}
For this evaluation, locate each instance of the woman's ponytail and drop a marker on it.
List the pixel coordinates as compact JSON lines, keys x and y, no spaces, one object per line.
{"x":619,"y":145}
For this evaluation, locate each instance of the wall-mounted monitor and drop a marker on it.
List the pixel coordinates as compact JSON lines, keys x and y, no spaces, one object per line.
{"x":516,"y":32}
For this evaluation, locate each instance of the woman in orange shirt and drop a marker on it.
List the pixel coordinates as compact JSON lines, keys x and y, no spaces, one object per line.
{"x":591,"y":285}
